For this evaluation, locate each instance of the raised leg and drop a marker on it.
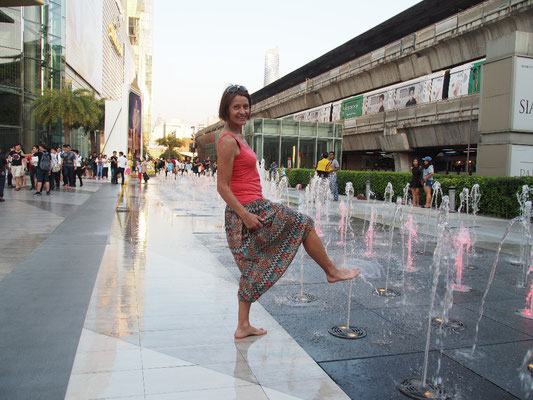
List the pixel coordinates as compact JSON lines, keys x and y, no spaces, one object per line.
{"x":314,"y":247}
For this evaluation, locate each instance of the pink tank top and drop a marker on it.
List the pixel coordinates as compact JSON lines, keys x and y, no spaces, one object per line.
{"x":245,"y":182}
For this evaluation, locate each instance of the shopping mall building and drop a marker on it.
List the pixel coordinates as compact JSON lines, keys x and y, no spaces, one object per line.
{"x":97,"y":45}
{"x":452,"y":80}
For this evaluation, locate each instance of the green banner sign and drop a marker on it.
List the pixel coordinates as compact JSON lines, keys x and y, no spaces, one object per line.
{"x":352,"y":108}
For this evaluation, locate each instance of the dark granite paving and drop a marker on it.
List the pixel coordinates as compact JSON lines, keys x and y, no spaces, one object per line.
{"x":369,"y":368}
{"x":44,"y":299}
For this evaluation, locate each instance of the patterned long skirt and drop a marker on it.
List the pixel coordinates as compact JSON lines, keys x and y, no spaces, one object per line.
{"x":263,"y":255}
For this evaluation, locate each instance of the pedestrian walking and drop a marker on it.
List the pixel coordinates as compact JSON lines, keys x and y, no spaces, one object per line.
{"x":324,"y":166}
{"x":80,"y":167}
{"x":416,"y":182}
{"x":55,"y":174}
{"x":16,"y":157}
{"x":105,"y":170}
{"x":263,"y":236}
{"x":43,"y":169}
{"x":3,"y":173}
{"x":114,"y":165}
{"x":427,"y":178}
{"x":68,"y":161}
{"x":122,"y":164}
{"x":333,"y":168}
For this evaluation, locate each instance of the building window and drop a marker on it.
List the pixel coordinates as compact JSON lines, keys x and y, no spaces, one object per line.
{"x":133,"y":30}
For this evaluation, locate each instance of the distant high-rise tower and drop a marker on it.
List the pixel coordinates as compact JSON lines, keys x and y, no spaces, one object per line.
{"x":271,"y":65}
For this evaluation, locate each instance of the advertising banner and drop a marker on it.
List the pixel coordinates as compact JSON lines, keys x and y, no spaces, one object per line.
{"x":336,"y":112}
{"x":459,"y":81}
{"x":436,"y":89}
{"x":378,"y":102}
{"x":521,"y":160}
{"x":352,"y":108}
{"x":412,"y":94}
{"x":84,"y":43}
{"x":135,"y":126}
{"x":523,"y":95}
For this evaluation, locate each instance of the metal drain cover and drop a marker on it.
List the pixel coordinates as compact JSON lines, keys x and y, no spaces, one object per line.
{"x":530,"y":368}
{"x":299,"y":298}
{"x":343,"y":332}
{"x":413,"y":388}
{"x":382,"y":292}
{"x":452,"y":325}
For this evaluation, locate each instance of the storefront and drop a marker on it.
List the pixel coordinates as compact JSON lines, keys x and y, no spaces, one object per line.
{"x":292,"y":144}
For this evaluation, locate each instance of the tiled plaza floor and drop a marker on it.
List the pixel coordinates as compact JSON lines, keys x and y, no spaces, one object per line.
{"x":141,"y":304}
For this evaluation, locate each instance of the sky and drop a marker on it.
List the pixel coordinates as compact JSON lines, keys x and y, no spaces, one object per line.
{"x":200,"y":47}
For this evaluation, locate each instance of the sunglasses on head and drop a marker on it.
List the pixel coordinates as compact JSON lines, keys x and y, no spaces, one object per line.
{"x":236,"y":88}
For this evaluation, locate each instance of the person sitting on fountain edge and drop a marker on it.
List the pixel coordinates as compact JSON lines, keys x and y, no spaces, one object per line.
{"x":323,"y":167}
{"x":262,"y":236}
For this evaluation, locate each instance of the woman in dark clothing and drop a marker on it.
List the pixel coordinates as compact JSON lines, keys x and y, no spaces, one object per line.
{"x":416,"y":182}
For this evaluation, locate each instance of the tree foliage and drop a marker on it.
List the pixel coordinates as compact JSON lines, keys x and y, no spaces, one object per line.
{"x":171,"y":142}
{"x":73,"y":108}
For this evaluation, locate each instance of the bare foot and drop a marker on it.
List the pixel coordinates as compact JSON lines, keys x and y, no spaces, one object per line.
{"x":241,"y":333}
{"x":342,"y":274}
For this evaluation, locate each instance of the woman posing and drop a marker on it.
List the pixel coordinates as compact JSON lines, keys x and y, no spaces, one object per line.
{"x":416,"y":182}
{"x":263,"y":236}
{"x":427,"y":178}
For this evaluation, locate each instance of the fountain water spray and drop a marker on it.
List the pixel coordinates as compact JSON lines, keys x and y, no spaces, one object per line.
{"x":342,"y":223}
{"x":462,"y":245}
{"x":389,"y":192}
{"x":347,"y":331}
{"x":492,"y":274}
{"x":421,"y":389}
{"x":369,"y":237}
{"x":410,"y":229}
{"x":386,"y":291}
{"x":406,"y":192}
{"x":526,"y":374}
{"x":528,"y":311}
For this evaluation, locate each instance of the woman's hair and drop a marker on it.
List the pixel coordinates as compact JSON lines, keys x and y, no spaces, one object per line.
{"x":229,"y":94}
{"x":417,"y":160}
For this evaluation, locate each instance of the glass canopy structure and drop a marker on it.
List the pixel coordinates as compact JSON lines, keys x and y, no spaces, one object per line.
{"x":294,"y":144}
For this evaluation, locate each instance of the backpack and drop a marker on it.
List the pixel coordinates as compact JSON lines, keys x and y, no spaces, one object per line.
{"x":46,"y":161}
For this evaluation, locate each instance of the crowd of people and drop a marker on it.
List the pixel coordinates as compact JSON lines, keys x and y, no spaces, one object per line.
{"x":48,"y":168}
{"x":173,"y":167}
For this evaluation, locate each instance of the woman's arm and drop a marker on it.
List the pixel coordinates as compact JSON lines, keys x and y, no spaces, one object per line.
{"x":227,"y":151}
{"x":430,"y":175}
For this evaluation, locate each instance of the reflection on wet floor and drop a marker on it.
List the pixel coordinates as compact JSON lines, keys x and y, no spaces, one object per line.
{"x":163,"y":311}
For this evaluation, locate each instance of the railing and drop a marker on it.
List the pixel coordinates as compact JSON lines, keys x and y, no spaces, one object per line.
{"x":458,"y":109}
{"x":459,"y":24}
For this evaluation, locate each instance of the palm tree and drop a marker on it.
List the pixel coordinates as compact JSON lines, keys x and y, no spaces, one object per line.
{"x":71,"y":107}
{"x":170,"y":142}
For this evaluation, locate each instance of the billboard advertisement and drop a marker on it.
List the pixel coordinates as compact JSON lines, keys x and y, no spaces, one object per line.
{"x":84,"y":43}
{"x":135,"y":126}
{"x":378,"y":102}
{"x":352,"y":108}
{"x":459,"y":81}
{"x":523,"y":95}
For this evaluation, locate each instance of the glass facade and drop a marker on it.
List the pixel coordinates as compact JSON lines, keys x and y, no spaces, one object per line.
{"x":31,"y":60}
{"x":294,"y":142}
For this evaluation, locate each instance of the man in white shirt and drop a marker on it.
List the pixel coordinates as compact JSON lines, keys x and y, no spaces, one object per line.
{"x":333,"y":176}
{"x":122,"y":164}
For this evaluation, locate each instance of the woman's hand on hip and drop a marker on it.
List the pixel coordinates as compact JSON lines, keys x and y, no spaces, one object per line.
{"x":252,"y":221}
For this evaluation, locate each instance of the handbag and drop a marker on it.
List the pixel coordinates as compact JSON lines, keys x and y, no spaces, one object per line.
{"x":145,"y":176}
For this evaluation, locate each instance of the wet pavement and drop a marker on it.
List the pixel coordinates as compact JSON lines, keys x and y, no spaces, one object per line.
{"x":141,"y":304}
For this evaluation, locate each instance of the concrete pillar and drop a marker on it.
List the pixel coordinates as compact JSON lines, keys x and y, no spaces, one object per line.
{"x":402,"y":162}
{"x":506,"y":107}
